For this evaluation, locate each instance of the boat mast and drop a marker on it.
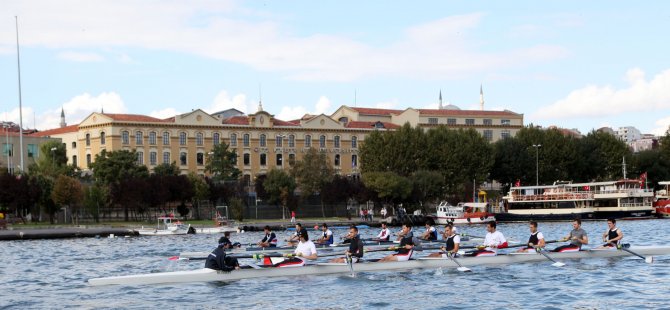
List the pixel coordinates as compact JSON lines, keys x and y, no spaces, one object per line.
{"x":18,"y":63}
{"x":623,"y":166}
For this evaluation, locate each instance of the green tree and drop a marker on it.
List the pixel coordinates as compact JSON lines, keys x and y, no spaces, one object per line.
{"x":312,"y":173}
{"x":426,"y":186}
{"x":279,"y":187}
{"x":167,"y":169}
{"x":222,"y":163}
{"x":52,"y":160}
{"x":200,"y":191}
{"x":95,"y":198}
{"x":389,"y":186}
{"x":654,"y":164}
{"x":601,"y":157}
{"x":68,"y":191}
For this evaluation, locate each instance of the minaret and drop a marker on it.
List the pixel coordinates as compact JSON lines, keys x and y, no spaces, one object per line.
{"x":62,"y":118}
{"x":440,"y":106}
{"x":260,"y":99}
{"x":481,"y":97}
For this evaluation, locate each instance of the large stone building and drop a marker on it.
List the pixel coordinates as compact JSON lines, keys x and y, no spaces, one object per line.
{"x":11,"y":151}
{"x":261,"y":141}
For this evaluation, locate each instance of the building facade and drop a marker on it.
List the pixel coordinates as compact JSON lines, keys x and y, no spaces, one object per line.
{"x":261,"y":141}
{"x":11,"y":148}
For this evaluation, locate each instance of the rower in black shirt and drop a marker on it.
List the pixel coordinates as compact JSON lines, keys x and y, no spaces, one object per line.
{"x":452,"y":243}
{"x":406,"y":247}
{"x":218,"y":260}
{"x":270,"y":239}
{"x":612,"y":237}
{"x":355,"y":247}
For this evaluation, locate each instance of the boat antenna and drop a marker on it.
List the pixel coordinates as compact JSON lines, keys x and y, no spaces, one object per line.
{"x":18,"y":62}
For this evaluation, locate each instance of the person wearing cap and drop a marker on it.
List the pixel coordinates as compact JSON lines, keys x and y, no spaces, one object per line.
{"x":327,"y":236}
{"x":269,"y":240}
{"x":306,"y":250}
{"x":355,"y":250}
{"x":218,"y":260}
{"x":296,"y":236}
{"x":227,"y":244}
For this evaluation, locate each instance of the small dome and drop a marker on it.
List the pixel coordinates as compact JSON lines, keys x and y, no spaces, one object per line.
{"x":451,"y":107}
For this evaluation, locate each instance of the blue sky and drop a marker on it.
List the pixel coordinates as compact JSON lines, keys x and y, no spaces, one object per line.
{"x":573,"y":64}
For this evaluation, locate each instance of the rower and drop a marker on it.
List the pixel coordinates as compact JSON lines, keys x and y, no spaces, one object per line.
{"x":306,"y":250}
{"x":384,"y":234}
{"x":577,"y":238}
{"x":270,"y":239}
{"x":296,"y":236}
{"x":612,"y":237}
{"x":406,"y":247}
{"x":452,"y":241}
{"x":536,"y":239}
{"x":430,"y":234}
{"x":494,"y":240}
{"x":227,"y":244}
{"x":218,"y":260}
{"x":355,"y":250}
{"x":327,"y":236}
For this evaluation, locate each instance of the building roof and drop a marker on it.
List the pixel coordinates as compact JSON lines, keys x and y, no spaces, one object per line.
{"x":465,"y":112}
{"x":279,"y":122}
{"x":236,"y":120}
{"x":137,"y":118}
{"x":373,"y":111}
{"x":57,"y":131}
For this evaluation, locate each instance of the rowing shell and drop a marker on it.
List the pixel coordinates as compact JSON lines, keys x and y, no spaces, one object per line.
{"x":209,"y":275}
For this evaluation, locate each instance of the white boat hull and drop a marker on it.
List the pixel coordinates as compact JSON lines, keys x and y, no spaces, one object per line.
{"x":461,"y":220}
{"x":215,"y":230}
{"x":162,"y":232}
{"x":209,"y":275}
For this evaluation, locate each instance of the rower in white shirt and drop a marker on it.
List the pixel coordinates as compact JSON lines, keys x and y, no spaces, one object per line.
{"x":306,"y":250}
{"x":384,"y":234}
{"x":493,"y":241}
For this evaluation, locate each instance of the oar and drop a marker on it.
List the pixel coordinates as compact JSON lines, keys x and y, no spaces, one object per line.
{"x":647,"y":259}
{"x":350,"y":262}
{"x":555,"y":264}
{"x":460,"y":267}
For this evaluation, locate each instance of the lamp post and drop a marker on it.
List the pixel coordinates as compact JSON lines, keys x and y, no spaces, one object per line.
{"x":537,"y":163}
{"x":53,"y":157}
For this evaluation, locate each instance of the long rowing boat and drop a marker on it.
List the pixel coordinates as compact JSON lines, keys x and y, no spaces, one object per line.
{"x":209,"y":275}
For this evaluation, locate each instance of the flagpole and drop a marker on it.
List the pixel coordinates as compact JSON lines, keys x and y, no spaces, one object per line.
{"x":18,"y":62}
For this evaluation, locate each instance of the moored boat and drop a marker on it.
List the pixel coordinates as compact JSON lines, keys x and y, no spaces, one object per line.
{"x":209,"y":275}
{"x":463,"y":213}
{"x":166,"y":226}
{"x":626,"y":198}
{"x":662,"y":200}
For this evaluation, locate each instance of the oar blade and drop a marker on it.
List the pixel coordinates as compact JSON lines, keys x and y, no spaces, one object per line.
{"x":464,"y":269}
{"x":558,"y":264}
{"x":649,"y":259}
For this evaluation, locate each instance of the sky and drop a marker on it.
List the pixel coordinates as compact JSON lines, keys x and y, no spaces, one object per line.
{"x":572,"y":64}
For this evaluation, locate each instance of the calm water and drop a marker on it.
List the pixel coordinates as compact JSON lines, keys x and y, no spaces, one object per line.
{"x":53,"y":273}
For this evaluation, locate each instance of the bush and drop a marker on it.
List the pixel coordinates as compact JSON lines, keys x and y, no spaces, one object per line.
{"x":237,"y":209}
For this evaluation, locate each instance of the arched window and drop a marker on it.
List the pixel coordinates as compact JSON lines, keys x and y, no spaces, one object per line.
{"x":279,"y":141}
{"x":166,"y":138}
{"x":291,"y":141}
{"x":354,"y":142}
{"x":308,"y":141}
{"x":152,"y":138}
{"x":336,"y":142}
{"x":102,"y":138}
{"x":88,"y":139}
{"x":337,"y":160}
{"x":245,"y":140}
{"x":216,"y":138}
{"x":125,"y":137}
{"x":322,"y":141}
{"x":233,"y":139}
{"x":138,"y":137}
{"x":182,"y":138}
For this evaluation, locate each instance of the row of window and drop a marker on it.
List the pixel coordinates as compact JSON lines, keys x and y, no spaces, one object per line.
{"x":279,"y":160}
{"x":470,"y":121}
{"x":199,"y":139}
{"x":8,"y":150}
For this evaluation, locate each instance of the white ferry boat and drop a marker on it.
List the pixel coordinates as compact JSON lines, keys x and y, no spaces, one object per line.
{"x":166,"y":226}
{"x":626,"y":198}
{"x":463,"y":213}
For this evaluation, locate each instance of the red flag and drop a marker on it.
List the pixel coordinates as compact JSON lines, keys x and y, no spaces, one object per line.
{"x":518,"y":183}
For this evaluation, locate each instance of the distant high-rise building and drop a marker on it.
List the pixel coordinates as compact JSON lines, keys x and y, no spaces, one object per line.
{"x":628,"y":134}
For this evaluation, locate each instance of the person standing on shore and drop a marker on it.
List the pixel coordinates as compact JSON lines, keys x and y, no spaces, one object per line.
{"x":292,"y":216}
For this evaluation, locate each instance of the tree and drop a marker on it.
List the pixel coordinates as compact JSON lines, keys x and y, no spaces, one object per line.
{"x":67,"y":191}
{"x":388,"y":185}
{"x":426,"y":185}
{"x":311,"y":173}
{"x":221,"y":163}
{"x":115,"y":168}
{"x":52,"y":160}
{"x":167,"y":169}
{"x":95,"y":197}
{"x":200,"y":191}
{"x":279,"y":187}
{"x":601,"y":156}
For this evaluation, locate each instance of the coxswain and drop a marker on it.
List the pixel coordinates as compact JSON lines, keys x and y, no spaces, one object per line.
{"x":227,"y":244}
{"x":269,"y":240}
{"x":430,"y":234}
{"x":406,"y":247}
{"x":493,"y":241}
{"x":384,"y":235}
{"x":306,"y":250}
{"x":612,"y":237}
{"x":452,"y":243}
{"x":327,"y":236}
{"x":355,"y":250}
{"x":577,"y":238}
{"x":536,"y":239}
{"x":296,"y":236}
{"x":218,"y":260}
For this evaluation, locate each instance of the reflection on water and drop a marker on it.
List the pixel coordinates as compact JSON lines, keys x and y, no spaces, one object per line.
{"x":53,"y":274}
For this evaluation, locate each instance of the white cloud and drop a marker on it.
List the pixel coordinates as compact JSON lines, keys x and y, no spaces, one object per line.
{"x":288,"y":113}
{"x":662,"y":125}
{"x":76,"y":109}
{"x":440,"y":48}
{"x":387,"y":104}
{"x":80,"y":57}
{"x":322,"y":105}
{"x":223,"y":101}
{"x":640,"y":95}
{"x":164,"y":113}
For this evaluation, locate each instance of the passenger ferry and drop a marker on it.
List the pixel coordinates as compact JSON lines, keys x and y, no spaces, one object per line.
{"x":626,"y":198}
{"x":662,"y":203}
